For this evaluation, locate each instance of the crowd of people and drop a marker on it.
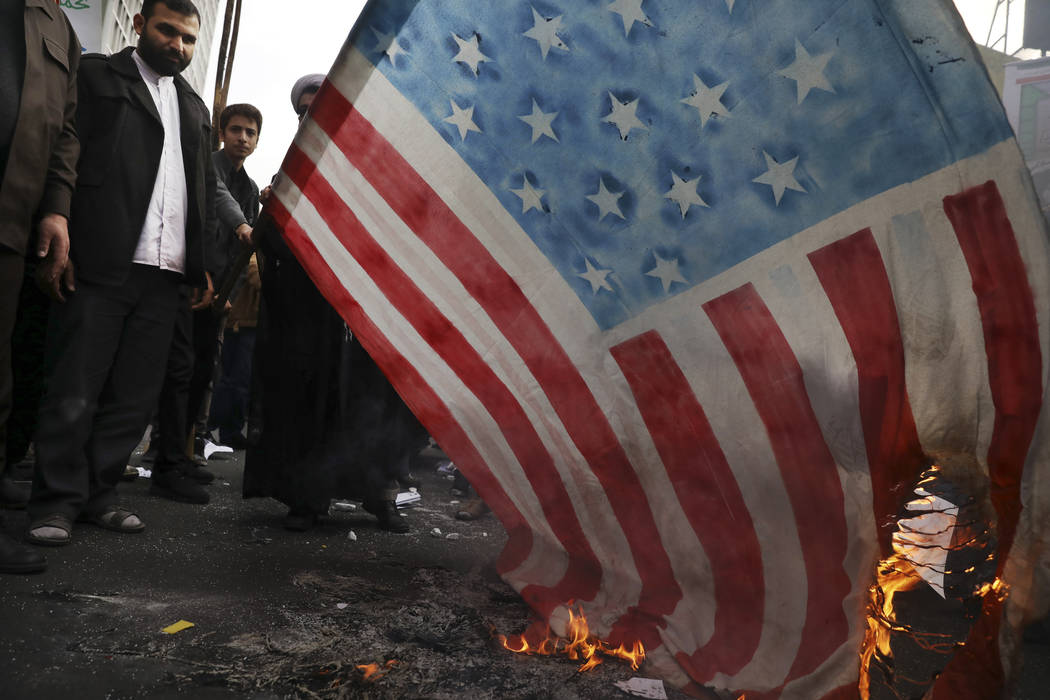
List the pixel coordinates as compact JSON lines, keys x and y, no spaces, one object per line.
{"x":141,"y":285}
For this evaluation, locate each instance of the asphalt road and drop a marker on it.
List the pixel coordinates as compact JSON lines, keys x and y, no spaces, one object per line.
{"x":287,"y":615}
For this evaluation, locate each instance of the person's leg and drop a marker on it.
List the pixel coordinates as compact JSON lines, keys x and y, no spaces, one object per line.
{"x":172,"y":430}
{"x":11,"y":270}
{"x":15,"y":558}
{"x":134,"y":385}
{"x":27,"y":366}
{"x":206,"y":326}
{"x":82,"y":339}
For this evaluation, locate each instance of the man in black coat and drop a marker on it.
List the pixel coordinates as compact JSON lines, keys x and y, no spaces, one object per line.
{"x":143,"y":202}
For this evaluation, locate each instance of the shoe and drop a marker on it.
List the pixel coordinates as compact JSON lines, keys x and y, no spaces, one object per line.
{"x":175,"y":485}
{"x":59,"y":523}
{"x":234,"y":440}
{"x":13,"y":494}
{"x":408,"y":481}
{"x":388,"y":517}
{"x":472,"y":509}
{"x":116,"y":519}
{"x":16,"y":558}
{"x":197,"y":473}
{"x":299,"y":520}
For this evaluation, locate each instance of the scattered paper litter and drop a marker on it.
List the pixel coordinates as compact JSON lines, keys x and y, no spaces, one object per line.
{"x":407,"y":498}
{"x":352,"y":536}
{"x":210,"y":448}
{"x":643,"y":688}
{"x":343,"y":506}
{"x":341,"y":606}
{"x":144,"y":473}
{"x":178,"y":627}
{"x":452,"y":536}
{"x":436,"y":532}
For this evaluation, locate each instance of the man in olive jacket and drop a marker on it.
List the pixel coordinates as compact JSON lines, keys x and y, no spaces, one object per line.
{"x":143,"y":202}
{"x":39,"y":55}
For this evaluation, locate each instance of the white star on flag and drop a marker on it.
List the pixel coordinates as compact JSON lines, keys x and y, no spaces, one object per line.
{"x":531,"y":198}
{"x":631,"y":12}
{"x":597,"y":277}
{"x":624,"y":116}
{"x":667,"y":272}
{"x":541,"y":122}
{"x":462,"y":119}
{"x":469,"y":53}
{"x":387,"y":44}
{"x":545,"y":32}
{"x":684,"y":194}
{"x":779,"y":176}
{"x":708,"y":101}
{"x":606,"y":201}
{"x":807,"y":71}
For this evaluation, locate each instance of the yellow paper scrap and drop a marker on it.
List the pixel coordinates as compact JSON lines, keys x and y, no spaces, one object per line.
{"x":177,"y":627}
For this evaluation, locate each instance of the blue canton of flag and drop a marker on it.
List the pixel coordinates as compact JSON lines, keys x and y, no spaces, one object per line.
{"x":648,"y":146}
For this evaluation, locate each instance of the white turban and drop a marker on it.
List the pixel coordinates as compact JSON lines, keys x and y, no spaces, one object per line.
{"x":305,"y":84}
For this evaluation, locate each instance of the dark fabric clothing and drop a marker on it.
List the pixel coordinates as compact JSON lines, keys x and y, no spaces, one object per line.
{"x":229,"y":401}
{"x":27,"y":364}
{"x":173,"y":408}
{"x":41,"y":163}
{"x":206,"y":344}
{"x":245,"y":194}
{"x":104,"y":347}
{"x":122,"y":136}
{"x":332,"y":425}
{"x":11,"y":270}
{"x":107,"y":345}
{"x":12,"y":71}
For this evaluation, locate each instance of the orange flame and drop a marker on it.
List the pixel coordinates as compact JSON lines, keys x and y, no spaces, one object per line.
{"x":373,"y":672}
{"x":896,"y":575}
{"x":578,"y":644}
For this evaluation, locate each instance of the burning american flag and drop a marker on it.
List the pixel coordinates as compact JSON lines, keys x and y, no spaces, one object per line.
{"x":690,"y":290}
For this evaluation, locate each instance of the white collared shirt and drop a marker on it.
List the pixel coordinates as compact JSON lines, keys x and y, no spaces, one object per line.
{"x":162,"y":242}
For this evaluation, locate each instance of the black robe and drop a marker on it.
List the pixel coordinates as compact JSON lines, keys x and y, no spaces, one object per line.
{"x":332,"y":425}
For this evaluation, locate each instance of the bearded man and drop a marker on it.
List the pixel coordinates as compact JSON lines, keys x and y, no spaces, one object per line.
{"x":143,"y":202}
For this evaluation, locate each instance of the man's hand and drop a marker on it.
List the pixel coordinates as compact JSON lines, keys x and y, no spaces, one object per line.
{"x":244,"y":234}
{"x":55,"y":270}
{"x":265,"y":194}
{"x":202,"y":298}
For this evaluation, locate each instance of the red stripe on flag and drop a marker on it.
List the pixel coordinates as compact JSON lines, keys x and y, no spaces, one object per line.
{"x":854,"y":277}
{"x":503,"y":301}
{"x":1015,"y":376}
{"x":583,"y":577}
{"x":774,"y":381}
{"x":711,"y":498}
{"x":425,"y":404}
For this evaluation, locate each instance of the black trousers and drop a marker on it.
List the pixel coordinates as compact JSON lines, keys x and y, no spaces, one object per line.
{"x":27,"y":365}
{"x":191,"y":361}
{"x":172,"y":428}
{"x":106,"y":351}
{"x":12,"y":265}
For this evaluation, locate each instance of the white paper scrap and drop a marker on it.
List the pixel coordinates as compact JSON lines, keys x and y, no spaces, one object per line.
{"x":407,"y":498}
{"x":210,"y":448}
{"x":643,"y":688}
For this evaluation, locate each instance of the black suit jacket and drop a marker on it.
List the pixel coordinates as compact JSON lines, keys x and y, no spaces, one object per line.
{"x":121,"y":137}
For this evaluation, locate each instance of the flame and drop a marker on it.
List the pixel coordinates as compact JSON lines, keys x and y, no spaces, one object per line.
{"x":578,"y":644}
{"x":373,"y":672}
